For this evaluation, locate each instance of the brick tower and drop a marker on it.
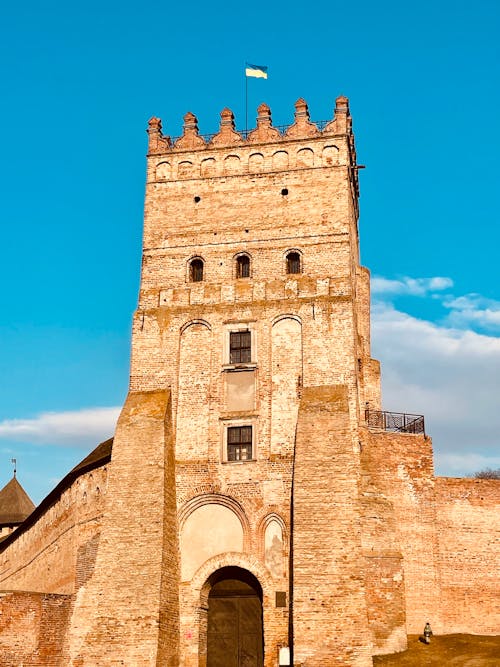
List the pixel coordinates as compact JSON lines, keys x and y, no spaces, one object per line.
{"x":233,"y":528}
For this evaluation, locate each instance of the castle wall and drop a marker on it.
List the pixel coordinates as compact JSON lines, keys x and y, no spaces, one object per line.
{"x":33,"y":629}
{"x":383,"y":567}
{"x":57,"y":553}
{"x":468,"y":528}
{"x":330,"y":623}
{"x":129,"y":607}
{"x":400,"y":466}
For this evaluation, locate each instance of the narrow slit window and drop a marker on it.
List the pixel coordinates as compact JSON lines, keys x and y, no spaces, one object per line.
{"x":196,"y":270}
{"x":240,"y":347}
{"x":239,"y":443}
{"x":243,"y":266}
{"x":293,"y":263}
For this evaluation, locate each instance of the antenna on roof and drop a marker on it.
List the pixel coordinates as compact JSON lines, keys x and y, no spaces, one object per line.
{"x":14,"y":461}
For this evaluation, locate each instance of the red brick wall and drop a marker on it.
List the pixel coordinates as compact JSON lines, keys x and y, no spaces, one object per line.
{"x":33,"y":628}
{"x":49,"y":556}
{"x":330,"y":625}
{"x":401,"y":467}
{"x":468,"y":527}
{"x":384,"y":575}
{"x":128,"y":609}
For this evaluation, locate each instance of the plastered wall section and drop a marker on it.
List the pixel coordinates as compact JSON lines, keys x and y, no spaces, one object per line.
{"x":468,"y":526}
{"x":58,"y":552}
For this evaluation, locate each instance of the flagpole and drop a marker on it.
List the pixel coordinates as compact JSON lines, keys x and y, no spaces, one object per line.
{"x":246,"y":102}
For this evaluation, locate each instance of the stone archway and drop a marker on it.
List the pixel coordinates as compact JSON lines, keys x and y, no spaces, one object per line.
{"x":235,"y":619}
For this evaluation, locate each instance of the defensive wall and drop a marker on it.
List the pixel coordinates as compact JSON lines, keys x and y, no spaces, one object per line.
{"x":46,"y":560}
{"x":468,"y":529}
{"x":443,"y":532}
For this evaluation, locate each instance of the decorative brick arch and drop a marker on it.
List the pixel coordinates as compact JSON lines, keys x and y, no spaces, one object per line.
{"x":199,"y":589}
{"x":265,"y":519}
{"x":286,"y":316}
{"x":200,"y":583}
{"x":285,"y":256}
{"x":186,"y":325}
{"x":215,"y":499}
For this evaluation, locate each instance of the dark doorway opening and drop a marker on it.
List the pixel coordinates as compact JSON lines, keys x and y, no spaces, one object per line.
{"x":235,"y":629}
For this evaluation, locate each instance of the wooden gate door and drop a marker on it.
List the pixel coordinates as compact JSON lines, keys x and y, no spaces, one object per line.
{"x":234,"y":625}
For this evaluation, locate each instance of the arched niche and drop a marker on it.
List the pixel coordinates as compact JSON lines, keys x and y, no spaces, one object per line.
{"x":163,"y":171}
{"x":255,"y":162}
{"x":209,"y":530}
{"x":232,"y":164}
{"x":330,"y":155}
{"x":194,"y":390}
{"x":305,"y":157}
{"x":208,"y":167}
{"x":280,"y":160}
{"x":185,"y":169}
{"x":273,"y":547}
{"x":286,"y":369}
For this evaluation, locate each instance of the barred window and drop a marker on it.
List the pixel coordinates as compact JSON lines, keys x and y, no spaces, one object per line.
{"x":239,"y":443}
{"x":196,"y":270}
{"x":243,"y":266}
{"x":240,"y":347}
{"x":293,"y":263}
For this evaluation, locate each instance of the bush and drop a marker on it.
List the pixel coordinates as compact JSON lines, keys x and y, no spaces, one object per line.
{"x":487,"y":473}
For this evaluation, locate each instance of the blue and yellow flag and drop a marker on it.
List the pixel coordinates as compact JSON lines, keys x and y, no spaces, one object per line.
{"x":258,"y":71}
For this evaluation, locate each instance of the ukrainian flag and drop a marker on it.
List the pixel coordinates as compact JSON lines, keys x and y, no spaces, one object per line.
{"x":258,"y":71}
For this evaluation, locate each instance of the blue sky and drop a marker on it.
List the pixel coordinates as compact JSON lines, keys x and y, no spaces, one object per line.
{"x":79,"y":82}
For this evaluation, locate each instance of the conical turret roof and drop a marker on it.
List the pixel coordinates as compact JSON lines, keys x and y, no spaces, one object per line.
{"x":15,"y":504}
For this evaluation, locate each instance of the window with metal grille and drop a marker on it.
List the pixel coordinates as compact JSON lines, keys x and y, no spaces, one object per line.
{"x":240,"y":347}
{"x":243,"y":266}
{"x":293,"y":262}
{"x":239,"y":443}
{"x":196,"y":270}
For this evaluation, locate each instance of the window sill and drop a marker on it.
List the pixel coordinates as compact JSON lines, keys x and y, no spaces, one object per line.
{"x":238,"y":414}
{"x":239,"y":367}
{"x":239,"y":462}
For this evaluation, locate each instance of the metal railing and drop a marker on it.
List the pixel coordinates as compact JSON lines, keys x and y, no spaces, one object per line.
{"x":398,"y":422}
{"x":320,"y":124}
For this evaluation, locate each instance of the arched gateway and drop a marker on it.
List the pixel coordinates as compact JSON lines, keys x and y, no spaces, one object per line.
{"x":234,"y":624}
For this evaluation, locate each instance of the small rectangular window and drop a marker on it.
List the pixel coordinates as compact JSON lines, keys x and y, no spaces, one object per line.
{"x":243,"y":266}
{"x":293,"y":262}
{"x":240,"y":347}
{"x":239,"y":443}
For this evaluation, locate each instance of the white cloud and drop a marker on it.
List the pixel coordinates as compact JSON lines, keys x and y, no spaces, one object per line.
{"x":468,"y":310}
{"x":473,"y":310}
{"x":409,"y":286}
{"x":449,"y":375}
{"x":456,"y":463}
{"x":77,"y":428}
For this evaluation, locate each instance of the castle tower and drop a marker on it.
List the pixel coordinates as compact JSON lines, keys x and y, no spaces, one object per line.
{"x":15,"y":506}
{"x":233,"y":528}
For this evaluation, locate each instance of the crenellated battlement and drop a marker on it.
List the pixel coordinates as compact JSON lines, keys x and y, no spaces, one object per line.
{"x":265,"y":132}
{"x":264,"y":149}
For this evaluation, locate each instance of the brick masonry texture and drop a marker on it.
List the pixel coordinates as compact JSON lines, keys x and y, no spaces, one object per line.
{"x":33,"y":632}
{"x":468,"y":527}
{"x":346,"y":526}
